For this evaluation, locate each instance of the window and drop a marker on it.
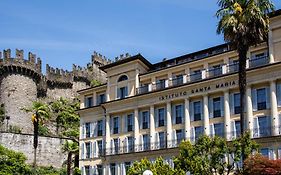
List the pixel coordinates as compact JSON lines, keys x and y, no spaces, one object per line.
{"x":177,"y":80}
{"x":217,"y":70}
{"x":197,"y":110}
{"x":88,"y":101}
{"x":179,"y":114}
{"x":100,"y":99}
{"x":238,"y":128}
{"x":196,"y":75}
{"x":236,"y":103}
{"x":123,"y":78}
{"x":100,"y":146}
{"x":131,"y":144}
{"x":217,"y":107}
{"x":130,"y":122}
{"x":116,"y":145}
{"x":146,"y":142}
{"x":127,"y":165}
{"x":162,"y":140}
{"x":145,"y":119}
{"x":88,"y":130}
{"x":180,"y":136}
{"x":122,"y":92}
{"x":113,"y":169}
{"x":264,"y":152}
{"x":160,"y":84}
{"x":199,"y":130}
{"x":87,"y":170}
{"x":219,"y":129}
{"x":161,"y":117}
{"x":100,"y":127}
{"x":262,"y":126}
{"x":100,"y":169}
{"x":88,"y":150}
{"x":115,"y":125}
{"x":261,"y":99}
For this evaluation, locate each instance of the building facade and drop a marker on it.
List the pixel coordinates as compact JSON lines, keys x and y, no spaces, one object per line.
{"x":146,"y":110}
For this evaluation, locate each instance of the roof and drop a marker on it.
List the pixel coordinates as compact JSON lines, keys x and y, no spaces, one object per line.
{"x":275,"y":13}
{"x":126,"y":60}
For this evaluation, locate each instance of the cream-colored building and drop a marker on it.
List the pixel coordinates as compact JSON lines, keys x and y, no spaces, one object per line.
{"x":146,"y":109}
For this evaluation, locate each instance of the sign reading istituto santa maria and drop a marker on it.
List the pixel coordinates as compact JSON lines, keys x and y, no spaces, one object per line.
{"x":198,"y":90}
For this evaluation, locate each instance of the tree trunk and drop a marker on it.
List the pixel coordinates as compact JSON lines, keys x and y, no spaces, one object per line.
{"x":242,"y":88}
{"x":35,"y":138}
{"x":69,"y":161}
{"x":76,"y":160}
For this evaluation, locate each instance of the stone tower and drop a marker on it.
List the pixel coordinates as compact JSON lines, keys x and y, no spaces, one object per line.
{"x":18,"y":86}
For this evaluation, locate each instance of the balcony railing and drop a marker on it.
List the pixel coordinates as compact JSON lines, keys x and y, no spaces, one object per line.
{"x":213,"y":72}
{"x":259,"y":61}
{"x":197,"y":76}
{"x":177,"y":81}
{"x":131,"y":148}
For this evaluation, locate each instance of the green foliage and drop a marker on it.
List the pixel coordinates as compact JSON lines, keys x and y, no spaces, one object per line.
{"x":157,"y":168}
{"x":2,"y":113}
{"x":48,"y":171}
{"x":95,"y":83}
{"x":70,"y":146}
{"x":208,"y":155}
{"x":76,"y":171}
{"x":66,"y":117}
{"x":14,"y":129}
{"x":43,"y":130}
{"x":40,"y":109}
{"x":12,"y":163}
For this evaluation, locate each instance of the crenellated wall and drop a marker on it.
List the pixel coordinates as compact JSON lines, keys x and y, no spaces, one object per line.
{"x":22,"y":82}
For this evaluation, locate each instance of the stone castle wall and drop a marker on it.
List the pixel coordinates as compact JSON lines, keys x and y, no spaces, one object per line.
{"x":49,"y":152}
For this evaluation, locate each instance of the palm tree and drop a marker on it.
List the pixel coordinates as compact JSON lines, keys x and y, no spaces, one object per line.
{"x":71,"y":147}
{"x":40,"y":113}
{"x":243,"y":23}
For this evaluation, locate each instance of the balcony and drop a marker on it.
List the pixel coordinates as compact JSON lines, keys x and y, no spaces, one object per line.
{"x":258,"y":61}
{"x":160,"y":85}
{"x":215,"y":71}
{"x":143,"y":89}
{"x":177,"y":81}
{"x":233,"y":67}
{"x":195,"y":76}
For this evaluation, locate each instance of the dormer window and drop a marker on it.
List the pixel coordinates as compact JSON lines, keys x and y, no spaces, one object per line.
{"x":123,"y":78}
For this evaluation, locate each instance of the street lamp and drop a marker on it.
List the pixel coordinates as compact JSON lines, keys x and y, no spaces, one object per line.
{"x":147,"y":172}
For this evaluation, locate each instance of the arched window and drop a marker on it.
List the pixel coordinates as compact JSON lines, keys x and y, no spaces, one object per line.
{"x":123,"y":78}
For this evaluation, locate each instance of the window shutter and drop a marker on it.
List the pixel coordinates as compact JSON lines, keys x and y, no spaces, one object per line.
{"x":126,"y":144}
{"x":182,"y":113}
{"x":133,"y":120}
{"x":233,"y":129}
{"x":140,"y":120}
{"x":148,"y":119}
{"x":91,"y":149}
{"x":83,"y":171}
{"x":165,"y":117}
{"x":82,"y":150}
{"x":278,"y":94}
{"x":156,"y":118}
{"x":231,"y":103}
{"x":103,"y":127}
{"x":95,"y":148}
{"x":192,"y":134}
{"x":222,"y":105}
{"x":211,"y":109}
{"x":95,"y":129}
{"x":112,"y":146}
{"x":83,"y":131}
{"x":126,"y":91}
{"x":212,"y":130}
{"x":91,"y":129}
{"x":111,"y":125}
{"x":117,"y":169}
{"x":157,"y":140}
{"x":123,"y":169}
{"x":201,"y":108}
{"x":125,"y":123}
{"x":119,"y":124}
{"x":254,"y":99}
{"x":141,"y":143}
{"x":279,"y":153}
{"x":118,"y":93}
{"x":256,"y":131}
{"x":267,"y":97}
{"x":191,"y":112}
{"x":174,"y":114}
{"x":272,"y":154}
{"x":174,"y":138}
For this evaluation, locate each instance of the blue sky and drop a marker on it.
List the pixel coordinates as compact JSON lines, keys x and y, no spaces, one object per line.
{"x":63,"y":32}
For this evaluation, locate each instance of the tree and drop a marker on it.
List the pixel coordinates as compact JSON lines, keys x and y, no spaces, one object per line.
{"x":212,"y":155}
{"x":260,"y":165}
{"x":71,"y":148}
{"x":157,"y":168}
{"x":40,"y":113}
{"x":2,"y":114}
{"x":12,"y":162}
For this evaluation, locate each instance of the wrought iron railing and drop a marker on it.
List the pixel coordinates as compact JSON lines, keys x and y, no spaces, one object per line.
{"x":213,"y":72}
{"x":177,"y":81}
{"x":195,"y":76}
{"x":143,"y":89}
{"x":258,"y":61}
{"x":234,"y":67}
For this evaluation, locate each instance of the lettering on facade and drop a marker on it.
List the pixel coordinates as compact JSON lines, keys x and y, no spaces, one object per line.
{"x":201,"y":89}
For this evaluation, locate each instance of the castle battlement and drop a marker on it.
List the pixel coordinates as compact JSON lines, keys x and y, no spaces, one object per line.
{"x":32,"y":63}
{"x":58,"y":75}
{"x":122,"y":56}
{"x":99,"y":60}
